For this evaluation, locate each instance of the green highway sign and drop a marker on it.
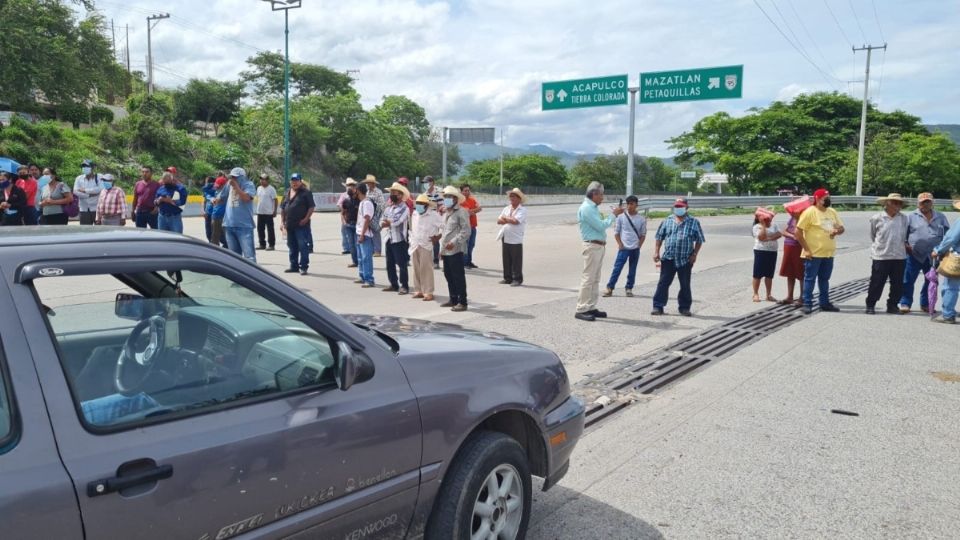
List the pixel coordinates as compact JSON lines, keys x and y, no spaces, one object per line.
{"x":596,"y":92}
{"x":692,"y":84}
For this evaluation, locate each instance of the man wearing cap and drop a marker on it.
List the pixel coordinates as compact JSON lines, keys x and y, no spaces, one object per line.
{"x":87,"y":189}
{"x":681,"y":237}
{"x":513,"y":225}
{"x":238,"y":215}
{"x":298,"y":207}
{"x":426,"y":230}
{"x":453,"y":243}
{"x":433,"y":193}
{"x":171,"y":197}
{"x":349,"y":206}
{"x":112,"y":206}
{"x":218,"y":208}
{"x":144,"y":212}
{"x":365,"y":214}
{"x":951,"y":286}
{"x":345,"y":232}
{"x":375,"y":196}
{"x":817,"y":230}
{"x":395,"y":220}
{"x":926,"y":229}
{"x":472,"y":206}
{"x":888,"y":234}
{"x":266,"y":211}
{"x":593,"y":233}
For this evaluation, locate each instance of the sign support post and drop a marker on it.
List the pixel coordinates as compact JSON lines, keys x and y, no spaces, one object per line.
{"x":633,"y":122}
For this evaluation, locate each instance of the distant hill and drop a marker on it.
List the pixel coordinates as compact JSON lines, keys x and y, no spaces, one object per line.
{"x":479,"y":152}
{"x":952,"y":130}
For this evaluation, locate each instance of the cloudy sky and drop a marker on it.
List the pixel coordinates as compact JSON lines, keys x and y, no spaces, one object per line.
{"x":481,"y":62}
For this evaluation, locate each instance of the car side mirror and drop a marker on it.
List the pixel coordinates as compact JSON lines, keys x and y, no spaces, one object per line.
{"x":351,"y":368}
{"x":128,"y":306}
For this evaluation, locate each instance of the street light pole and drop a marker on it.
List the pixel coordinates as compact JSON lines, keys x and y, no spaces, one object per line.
{"x":150,"y":24}
{"x":285,"y":6}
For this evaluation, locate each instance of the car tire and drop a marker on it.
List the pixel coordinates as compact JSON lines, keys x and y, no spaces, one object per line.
{"x":465,"y":505}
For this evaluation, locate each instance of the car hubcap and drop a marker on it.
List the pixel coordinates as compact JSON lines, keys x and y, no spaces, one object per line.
{"x":499,"y":507}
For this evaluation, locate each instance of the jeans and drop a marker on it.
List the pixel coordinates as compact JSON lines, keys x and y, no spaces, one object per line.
{"x":817,"y":270}
{"x":365,"y":260}
{"x":265,"y":225}
{"x":31,"y":216}
{"x":880,"y":273}
{"x":951,"y":289}
{"x":172,"y":222}
{"x":398,"y":257}
{"x":240,"y":241}
{"x":377,"y":242}
{"x":913,"y":269}
{"x":349,"y":231}
{"x":299,"y":247}
{"x":471,"y":243}
{"x":145,"y":218}
{"x":633,"y":255}
{"x":456,"y":277}
{"x":668,"y":269}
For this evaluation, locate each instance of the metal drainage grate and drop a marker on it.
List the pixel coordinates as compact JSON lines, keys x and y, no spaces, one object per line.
{"x":655,"y":370}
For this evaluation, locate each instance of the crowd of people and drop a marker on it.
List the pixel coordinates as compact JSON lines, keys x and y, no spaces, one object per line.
{"x":903,"y":247}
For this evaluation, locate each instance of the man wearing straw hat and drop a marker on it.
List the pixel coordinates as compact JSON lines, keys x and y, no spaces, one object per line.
{"x":925,"y":231}
{"x":453,"y":243}
{"x":513,"y":224}
{"x":395,"y":220}
{"x":888,"y":234}
{"x":375,"y":196}
{"x":951,"y":287}
{"x":425,"y":232}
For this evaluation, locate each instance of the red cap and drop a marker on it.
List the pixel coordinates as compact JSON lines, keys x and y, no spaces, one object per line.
{"x":680,"y":203}
{"x":821,"y":193}
{"x":220,"y":181}
{"x":171,"y":169}
{"x":403,"y":180}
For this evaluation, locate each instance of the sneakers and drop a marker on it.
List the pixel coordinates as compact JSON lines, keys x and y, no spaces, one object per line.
{"x":807,"y":310}
{"x":403,"y":290}
{"x":598,"y":314}
{"x":870,"y":310}
{"x":657,"y":311}
{"x":630,"y":293}
{"x":447,"y":304}
{"x":904,"y":308}
{"x":459,"y":307}
{"x":303,"y":272}
{"x":270,"y":248}
{"x":607,"y":293}
{"x":516,"y":284}
{"x":367,"y":286}
{"x":893,"y":311}
{"x":686,"y":313}
{"x":290,"y":271}
{"x":830,"y":307}
{"x":585,"y":316}
{"x":390,"y":289}
{"x":946,"y":320}
{"x":358,"y":281}
{"x":504,"y":282}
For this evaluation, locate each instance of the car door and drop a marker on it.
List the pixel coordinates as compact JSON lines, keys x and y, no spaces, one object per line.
{"x":309,"y":457}
{"x":36,"y":495}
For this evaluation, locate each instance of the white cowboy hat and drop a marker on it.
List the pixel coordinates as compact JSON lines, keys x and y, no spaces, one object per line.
{"x":371,"y":179}
{"x":397,"y":186}
{"x":424,"y":199}
{"x":450,"y":190}
{"x":517,"y":192}
{"x":349,"y":182}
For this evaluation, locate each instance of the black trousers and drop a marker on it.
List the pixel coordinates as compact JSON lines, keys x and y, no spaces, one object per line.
{"x":398,"y":257}
{"x":513,"y":262}
{"x":880,"y":273}
{"x":265,"y":223}
{"x":456,"y":277}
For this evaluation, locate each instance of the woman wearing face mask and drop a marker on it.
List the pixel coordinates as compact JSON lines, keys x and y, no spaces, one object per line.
{"x":427,"y":226}
{"x":56,"y":195}
{"x":13,"y":201}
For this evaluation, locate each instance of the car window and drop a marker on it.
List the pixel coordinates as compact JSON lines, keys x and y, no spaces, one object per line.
{"x":156,"y":351}
{"x":6,"y":411}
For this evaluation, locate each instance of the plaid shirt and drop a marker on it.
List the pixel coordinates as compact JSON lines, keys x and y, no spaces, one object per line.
{"x":113,"y":202}
{"x":679,"y":239}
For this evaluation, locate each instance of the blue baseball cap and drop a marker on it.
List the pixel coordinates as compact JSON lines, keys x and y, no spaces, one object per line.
{"x":296,"y":176}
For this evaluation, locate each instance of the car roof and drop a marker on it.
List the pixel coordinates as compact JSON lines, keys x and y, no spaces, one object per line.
{"x":58,"y":235}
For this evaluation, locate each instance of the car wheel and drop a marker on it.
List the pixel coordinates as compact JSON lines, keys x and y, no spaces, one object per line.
{"x":486,"y":494}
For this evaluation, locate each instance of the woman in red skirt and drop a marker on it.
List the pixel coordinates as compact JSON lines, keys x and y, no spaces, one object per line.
{"x":792,"y":266}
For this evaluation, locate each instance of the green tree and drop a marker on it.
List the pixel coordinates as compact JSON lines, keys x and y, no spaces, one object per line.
{"x":611,"y":171}
{"x":907,"y":163}
{"x":210,"y":101}
{"x":518,"y":171}
{"x":430,"y":157}
{"x":266,"y":77}
{"x":405,"y":113}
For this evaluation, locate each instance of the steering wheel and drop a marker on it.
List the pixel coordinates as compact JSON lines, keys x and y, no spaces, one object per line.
{"x":147,"y":359}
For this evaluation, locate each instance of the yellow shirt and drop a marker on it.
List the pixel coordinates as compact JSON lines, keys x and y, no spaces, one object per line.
{"x":817,"y":226}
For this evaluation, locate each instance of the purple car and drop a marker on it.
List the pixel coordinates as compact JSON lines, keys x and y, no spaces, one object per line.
{"x":153,"y":386}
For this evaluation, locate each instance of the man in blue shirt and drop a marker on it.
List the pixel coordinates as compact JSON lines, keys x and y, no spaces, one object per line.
{"x":171,"y":196}
{"x":238,"y":217}
{"x":209,"y":194}
{"x":925,"y":229}
{"x":593,"y":232}
{"x":681,"y":238}
{"x":951,"y":286}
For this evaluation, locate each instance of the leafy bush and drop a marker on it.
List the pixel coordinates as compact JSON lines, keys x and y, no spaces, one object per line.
{"x":101,"y":114}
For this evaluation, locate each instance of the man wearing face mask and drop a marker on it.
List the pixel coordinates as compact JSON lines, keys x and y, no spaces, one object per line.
{"x":87,"y":189}
{"x":427,"y":226}
{"x":13,"y":200}
{"x":395,"y":220}
{"x":436,"y":198}
{"x":456,"y":234}
{"x":112,"y":207}
{"x":817,"y":231}
{"x":681,"y":238}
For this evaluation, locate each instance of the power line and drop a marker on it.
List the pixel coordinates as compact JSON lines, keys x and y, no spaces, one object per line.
{"x":839,"y":26}
{"x":807,"y":58}
{"x":876,"y":17}
{"x":856,"y":18}
{"x":810,"y":37}
{"x":787,"y":24}
{"x":880,"y":84}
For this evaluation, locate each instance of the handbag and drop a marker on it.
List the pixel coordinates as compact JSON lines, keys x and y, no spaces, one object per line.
{"x":950,"y":265}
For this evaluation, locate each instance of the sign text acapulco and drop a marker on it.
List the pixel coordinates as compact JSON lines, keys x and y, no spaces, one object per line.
{"x":602,"y":91}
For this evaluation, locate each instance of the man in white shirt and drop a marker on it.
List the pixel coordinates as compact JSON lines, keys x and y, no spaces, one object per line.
{"x":86,"y":188}
{"x":266,"y":212}
{"x":365,"y":239}
{"x":424,"y":234}
{"x":513,"y":222}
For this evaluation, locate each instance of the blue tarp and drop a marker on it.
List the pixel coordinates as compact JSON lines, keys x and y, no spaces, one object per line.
{"x":8,"y":165}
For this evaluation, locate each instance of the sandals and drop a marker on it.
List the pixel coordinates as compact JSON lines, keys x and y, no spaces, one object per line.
{"x":786,"y":302}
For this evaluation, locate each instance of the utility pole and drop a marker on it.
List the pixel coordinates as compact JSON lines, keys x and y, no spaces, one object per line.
{"x":863,"y":115}
{"x":128,"y":49}
{"x":158,"y":17}
{"x":113,"y":38}
{"x":501,"y":161}
{"x":633,"y":121}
